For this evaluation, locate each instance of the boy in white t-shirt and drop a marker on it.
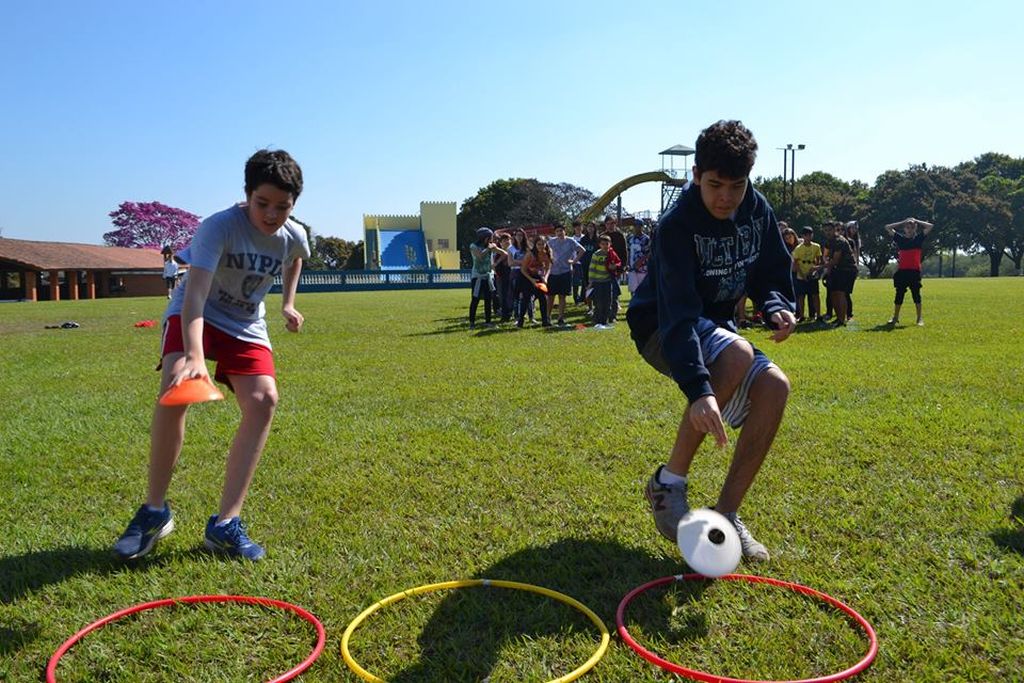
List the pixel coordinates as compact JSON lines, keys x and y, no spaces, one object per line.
{"x":218,"y":313}
{"x":170,"y":270}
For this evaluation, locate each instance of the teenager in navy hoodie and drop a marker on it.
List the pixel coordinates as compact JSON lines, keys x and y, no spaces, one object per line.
{"x":719,"y":242}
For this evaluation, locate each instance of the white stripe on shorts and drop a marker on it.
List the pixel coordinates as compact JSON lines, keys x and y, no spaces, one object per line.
{"x":714,"y":340}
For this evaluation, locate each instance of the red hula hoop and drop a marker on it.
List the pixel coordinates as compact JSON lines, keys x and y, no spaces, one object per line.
{"x":51,"y":667}
{"x":712,"y":678}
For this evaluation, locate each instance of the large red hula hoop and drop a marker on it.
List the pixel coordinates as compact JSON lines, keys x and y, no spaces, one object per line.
{"x":321,"y":634}
{"x":712,"y":678}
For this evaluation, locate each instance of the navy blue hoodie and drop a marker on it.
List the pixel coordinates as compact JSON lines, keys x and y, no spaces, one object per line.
{"x":699,"y":267}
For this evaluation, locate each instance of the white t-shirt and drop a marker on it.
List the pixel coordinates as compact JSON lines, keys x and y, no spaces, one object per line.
{"x":170,"y":269}
{"x":244,"y":263}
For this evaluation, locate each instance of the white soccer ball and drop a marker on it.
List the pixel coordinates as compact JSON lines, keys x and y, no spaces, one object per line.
{"x":709,"y":542}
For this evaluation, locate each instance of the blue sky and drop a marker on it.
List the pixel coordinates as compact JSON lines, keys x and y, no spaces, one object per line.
{"x":388,"y":104}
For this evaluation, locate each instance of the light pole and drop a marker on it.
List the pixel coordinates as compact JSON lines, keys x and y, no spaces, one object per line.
{"x":785,"y":172}
{"x":792,"y":172}
{"x":789,"y":166}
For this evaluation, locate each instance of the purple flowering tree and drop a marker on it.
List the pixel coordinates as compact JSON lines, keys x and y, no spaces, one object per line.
{"x":151,"y":225}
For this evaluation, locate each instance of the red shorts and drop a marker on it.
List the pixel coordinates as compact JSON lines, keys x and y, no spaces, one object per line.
{"x":233,"y":356}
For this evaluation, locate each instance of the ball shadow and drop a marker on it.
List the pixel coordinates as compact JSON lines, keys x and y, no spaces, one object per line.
{"x":1012,"y":538}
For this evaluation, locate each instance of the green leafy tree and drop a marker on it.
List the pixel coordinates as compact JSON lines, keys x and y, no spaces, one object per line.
{"x":897,"y":195}
{"x":508,"y":203}
{"x":1015,"y":243}
{"x":332,"y":253}
{"x":771,"y":188}
{"x":570,"y":200}
{"x":1002,"y":178}
{"x":982,"y":215}
{"x":356,"y":259}
{"x":821,"y":196}
{"x":311,"y":263}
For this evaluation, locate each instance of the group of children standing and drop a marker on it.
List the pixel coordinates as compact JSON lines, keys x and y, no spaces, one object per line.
{"x":834,"y":262}
{"x":511,"y":272}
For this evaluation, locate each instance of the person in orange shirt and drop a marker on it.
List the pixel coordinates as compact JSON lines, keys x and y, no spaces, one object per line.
{"x":534,"y":271}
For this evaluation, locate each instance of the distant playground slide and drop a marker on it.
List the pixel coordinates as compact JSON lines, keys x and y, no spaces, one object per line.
{"x":623,"y":185}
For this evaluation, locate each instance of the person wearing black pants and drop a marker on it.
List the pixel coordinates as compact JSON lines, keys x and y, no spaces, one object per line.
{"x":533,"y":280}
{"x":604,"y":268}
{"x":908,"y":258}
{"x":482,"y":276}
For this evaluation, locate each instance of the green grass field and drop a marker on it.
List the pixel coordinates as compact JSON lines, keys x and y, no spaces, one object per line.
{"x":408,"y":450}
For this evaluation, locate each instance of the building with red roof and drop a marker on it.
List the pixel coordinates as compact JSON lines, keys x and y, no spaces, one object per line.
{"x":33,"y":271}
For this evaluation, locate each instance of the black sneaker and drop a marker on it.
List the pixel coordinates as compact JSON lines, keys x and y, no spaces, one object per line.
{"x":146,"y":528}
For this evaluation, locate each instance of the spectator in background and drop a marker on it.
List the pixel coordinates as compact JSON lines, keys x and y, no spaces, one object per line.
{"x":806,"y":273}
{"x":503,"y":276}
{"x":577,"y":266}
{"x":788,"y":236}
{"x":589,"y":244}
{"x":482,"y":275}
{"x":170,"y":270}
{"x":841,"y":270}
{"x":618,"y":246}
{"x":826,"y":255}
{"x":534,"y":278}
{"x":565,"y":252}
{"x":853,"y":237}
{"x":516,"y":254}
{"x":639,"y":244}
{"x":604,"y":269}
{"x":908,"y":259}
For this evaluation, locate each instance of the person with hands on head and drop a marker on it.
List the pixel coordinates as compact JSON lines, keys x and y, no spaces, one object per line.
{"x":908,"y":258}
{"x":719,"y":241}
{"x":218,"y":313}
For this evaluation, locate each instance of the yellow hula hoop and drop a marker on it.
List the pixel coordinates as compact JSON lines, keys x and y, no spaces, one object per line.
{"x":468,"y":583}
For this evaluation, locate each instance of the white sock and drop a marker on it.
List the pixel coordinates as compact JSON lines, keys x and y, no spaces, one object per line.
{"x":668,"y":478}
{"x":223,"y":522}
{"x":153,"y":509}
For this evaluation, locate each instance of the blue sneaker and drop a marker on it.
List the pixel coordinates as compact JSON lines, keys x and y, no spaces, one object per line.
{"x":146,"y":528}
{"x":232,"y":540}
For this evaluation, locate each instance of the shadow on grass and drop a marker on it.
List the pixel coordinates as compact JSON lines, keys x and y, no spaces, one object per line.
{"x":884,"y":327}
{"x":460,"y":325}
{"x":810,"y":328}
{"x":21,"y":575}
{"x":469,"y":629}
{"x":16,"y":635}
{"x":1013,"y":537}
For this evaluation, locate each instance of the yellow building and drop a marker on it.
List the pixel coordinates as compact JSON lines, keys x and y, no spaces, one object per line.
{"x":412,"y":242}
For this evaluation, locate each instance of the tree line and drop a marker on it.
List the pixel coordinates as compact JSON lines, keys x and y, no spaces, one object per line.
{"x":977,"y":208}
